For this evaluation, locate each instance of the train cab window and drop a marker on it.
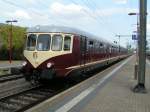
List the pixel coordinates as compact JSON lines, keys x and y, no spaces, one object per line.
{"x":31,"y":42}
{"x":57,"y":42}
{"x":43,"y":42}
{"x":67,"y":43}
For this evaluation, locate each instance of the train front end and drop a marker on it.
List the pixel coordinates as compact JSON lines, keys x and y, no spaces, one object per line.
{"x":43,"y":52}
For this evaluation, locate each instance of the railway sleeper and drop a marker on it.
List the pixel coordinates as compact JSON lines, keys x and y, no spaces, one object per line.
{"x":9,"y":106}
{"x":18,"y":101}
{"x":30,"y":99}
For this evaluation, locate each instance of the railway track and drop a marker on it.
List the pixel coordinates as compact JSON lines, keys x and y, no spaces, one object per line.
{"x":10,"y":77}
{"x":19,"y":102}
{"x":26,"y":99}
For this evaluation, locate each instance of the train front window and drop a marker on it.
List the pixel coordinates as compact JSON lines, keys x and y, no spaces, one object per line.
{"x":31,"y":42}
{"x":43,"y":42}
{"x":57,"y":42}
{"x":67,"y":42}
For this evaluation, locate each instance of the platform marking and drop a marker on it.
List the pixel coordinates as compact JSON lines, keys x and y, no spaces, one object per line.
{"x":85,"y":93}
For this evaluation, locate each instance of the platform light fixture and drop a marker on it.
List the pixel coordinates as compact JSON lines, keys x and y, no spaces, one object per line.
{"x":141,"y":30}
{"x":10,"y":38}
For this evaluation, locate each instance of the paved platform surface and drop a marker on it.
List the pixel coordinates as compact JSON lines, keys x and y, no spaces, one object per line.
{"x":117,"y":96}
{"x":111,"y":91}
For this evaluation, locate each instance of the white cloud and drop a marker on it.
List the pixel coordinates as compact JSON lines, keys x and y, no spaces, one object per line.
{"x":134,"y":10}
{"x":31,"y":1}
{"x":74,"y":11}
{"x":67,"y":11}
{"x":19,"y":14}
{"x":120,"y":1}
{"x":82,"y":17}
{"x":59,"y":8}
{"x":22,"y":14}
{"x":115,"y":11}
{"x":110,"y":11}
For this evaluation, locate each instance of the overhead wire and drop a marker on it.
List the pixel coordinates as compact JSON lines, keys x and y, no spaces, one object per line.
{"x":97,"y":18}
{"x":116,"y":27}
{"x":93,"y":5}
{"x":92,"y":15}
{"x":100,"y":15}
{"x":22,"y":7}
{"x":103,"y":21}
{"x":85,"y":11}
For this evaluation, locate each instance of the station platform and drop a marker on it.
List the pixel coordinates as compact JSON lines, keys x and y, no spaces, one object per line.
{"x":6,"y":64}
{"x":108,"y":91}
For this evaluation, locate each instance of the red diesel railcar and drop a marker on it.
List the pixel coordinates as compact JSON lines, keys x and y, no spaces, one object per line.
{"x":56,"y":51}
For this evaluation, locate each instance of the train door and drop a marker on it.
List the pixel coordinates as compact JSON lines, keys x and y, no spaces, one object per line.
{"x":83,"y":49}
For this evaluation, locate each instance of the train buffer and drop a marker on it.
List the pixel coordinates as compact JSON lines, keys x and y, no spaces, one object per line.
{"x":108,"y":91}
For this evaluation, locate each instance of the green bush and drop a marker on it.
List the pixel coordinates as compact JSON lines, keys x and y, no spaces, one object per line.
{"x":18,"y":40}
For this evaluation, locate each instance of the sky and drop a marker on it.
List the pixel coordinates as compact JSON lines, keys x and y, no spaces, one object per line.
{"x":103,"y":18}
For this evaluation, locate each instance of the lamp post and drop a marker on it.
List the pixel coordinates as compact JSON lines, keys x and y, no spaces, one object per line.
{"x":10,"y":38}
{"x":136,"y":67}
{"x":140,"y":87}
{"x":137,"y":34}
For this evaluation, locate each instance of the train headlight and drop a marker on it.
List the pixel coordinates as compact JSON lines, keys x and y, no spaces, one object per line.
{"x":24,"y":63}
{"x":49,"y":65}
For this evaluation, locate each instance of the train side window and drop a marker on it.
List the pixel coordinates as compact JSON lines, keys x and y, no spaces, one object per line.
{"x":83,"y":44}
{"x":57,"y":41}
{"x":67,"y":43}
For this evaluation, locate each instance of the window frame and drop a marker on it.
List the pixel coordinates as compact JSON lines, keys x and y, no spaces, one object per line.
{"x":61,"y":42}
{"x":70,"y":46}
{"x":50,"y":41}
{"x":27,"y":42}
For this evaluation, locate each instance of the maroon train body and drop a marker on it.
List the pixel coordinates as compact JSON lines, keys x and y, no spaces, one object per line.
{"x":67,"y":50}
